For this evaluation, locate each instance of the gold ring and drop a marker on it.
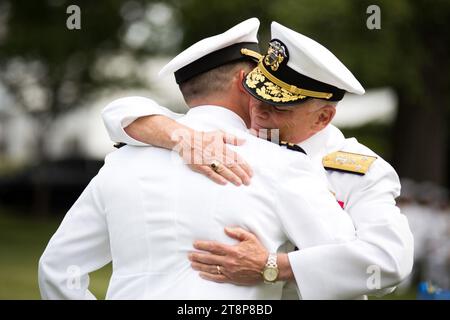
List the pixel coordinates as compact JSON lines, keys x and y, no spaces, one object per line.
{"x":218,"y":270}
{"x":216,"y":166}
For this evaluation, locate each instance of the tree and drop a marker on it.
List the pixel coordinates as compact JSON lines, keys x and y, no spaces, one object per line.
{"x":410,"y":53}
{"x":50,"y":69}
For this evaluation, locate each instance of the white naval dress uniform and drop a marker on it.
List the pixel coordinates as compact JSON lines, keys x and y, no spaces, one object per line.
{"x":384,"y":243}
{"x":145,"y":208}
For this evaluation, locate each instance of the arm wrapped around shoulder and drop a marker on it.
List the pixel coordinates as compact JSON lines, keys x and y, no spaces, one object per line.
{"x":120,"y":113}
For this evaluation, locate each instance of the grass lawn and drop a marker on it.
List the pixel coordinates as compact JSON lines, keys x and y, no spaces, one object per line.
{"x":22,"y":241}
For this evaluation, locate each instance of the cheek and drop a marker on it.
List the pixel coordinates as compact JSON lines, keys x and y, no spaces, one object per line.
{"x":286,"y":121}
{"x":294,"y":124}
{"x":264,"y":119}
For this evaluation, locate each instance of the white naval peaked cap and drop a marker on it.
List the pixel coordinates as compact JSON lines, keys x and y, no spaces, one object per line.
{"x":214,"y":51}
{"x":297,"y":67}
{"x":310,"y":58}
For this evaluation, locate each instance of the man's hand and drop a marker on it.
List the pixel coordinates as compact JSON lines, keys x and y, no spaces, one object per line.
{"x":198,"y":149}
{"x":240,"y":264}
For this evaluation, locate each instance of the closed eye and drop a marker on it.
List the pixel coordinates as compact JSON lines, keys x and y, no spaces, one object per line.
{"x":281,"y":110}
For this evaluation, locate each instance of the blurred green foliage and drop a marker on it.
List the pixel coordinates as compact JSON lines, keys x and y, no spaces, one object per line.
{"x":393,"y":56}
{"x":53,"y":56}
{"x":410,"y":53}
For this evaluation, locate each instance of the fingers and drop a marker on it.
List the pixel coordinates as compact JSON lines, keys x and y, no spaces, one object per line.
{"x":210,"y":147}
{"x":213,"y":247}
{"x":232,"y":159}
{"x":206,"y":259}
{"x":223,"y":175}
{"x":239,"y":234}
{"x":232,"y":139}
{"x":229,"y":174}
{"x":244,"y":165}
{"x":237,"y":165}
{"x":220,"y":278}
{"x":240,"y":173}
{"x":208,"y":172}
{"x":206,"y":268}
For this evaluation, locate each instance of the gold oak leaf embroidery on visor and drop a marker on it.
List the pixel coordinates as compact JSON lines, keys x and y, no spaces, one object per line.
{"x":268,"y":90}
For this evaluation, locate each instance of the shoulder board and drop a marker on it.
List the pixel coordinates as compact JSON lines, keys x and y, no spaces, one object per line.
{"x":348,"y":162}
{"x":292,"y":146}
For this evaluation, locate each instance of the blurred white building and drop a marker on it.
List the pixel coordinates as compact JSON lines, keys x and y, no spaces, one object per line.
{"x":16,"y":130}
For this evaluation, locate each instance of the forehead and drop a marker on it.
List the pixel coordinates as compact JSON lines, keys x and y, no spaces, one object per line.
{"x":301,"y":107}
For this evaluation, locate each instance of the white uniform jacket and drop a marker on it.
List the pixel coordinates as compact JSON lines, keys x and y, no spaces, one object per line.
{"x":378,"y":258}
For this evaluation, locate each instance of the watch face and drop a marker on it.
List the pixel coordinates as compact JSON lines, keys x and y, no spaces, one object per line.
{"x":270,"y":274}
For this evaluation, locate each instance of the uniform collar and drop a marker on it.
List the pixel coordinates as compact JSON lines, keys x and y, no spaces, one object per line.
{"x":219,"y":115}
{"x":324,"y":142}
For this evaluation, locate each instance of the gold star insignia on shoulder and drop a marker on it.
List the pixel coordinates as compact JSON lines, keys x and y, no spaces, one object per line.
{"x":292,"y":146}
{"x":348,"y":162}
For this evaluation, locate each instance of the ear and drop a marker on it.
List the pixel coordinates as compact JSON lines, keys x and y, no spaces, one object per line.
{"x":240,"y":80}
{"x":324,"y":116}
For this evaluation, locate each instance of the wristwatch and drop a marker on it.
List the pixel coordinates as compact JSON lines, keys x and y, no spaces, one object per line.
{"x":270,"y":272}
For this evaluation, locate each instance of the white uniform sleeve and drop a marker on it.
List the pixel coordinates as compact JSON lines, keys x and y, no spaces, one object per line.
{"x":309,"y":213}
{"x":79,"y":246}
{"x":118,"y":114}
{"x":380,"y":257}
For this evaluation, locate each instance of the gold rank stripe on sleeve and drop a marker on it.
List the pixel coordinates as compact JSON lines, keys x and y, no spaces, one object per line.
{"x":348,"y":162}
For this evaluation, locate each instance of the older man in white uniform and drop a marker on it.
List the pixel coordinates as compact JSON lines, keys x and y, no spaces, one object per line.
{"x":143,"y":211}
{"x":364,"y":184}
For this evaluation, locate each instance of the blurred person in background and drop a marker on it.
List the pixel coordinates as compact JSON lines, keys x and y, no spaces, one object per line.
{"x":426,"y":206}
